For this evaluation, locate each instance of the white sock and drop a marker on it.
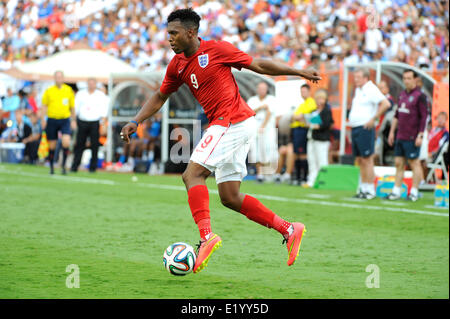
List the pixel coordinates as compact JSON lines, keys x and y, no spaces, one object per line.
{"x":414,"y":191}
{"x":396,"y":190}
{"x":368,"y":188}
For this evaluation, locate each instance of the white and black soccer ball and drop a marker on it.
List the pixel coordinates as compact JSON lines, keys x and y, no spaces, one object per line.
{"x":179,"y":259}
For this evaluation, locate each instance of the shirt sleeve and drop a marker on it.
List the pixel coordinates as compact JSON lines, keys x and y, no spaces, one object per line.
{"x":377,"y":96}
{"x":232,"y":56}
{"x":423,"y":112}
{"x":171,"y":83}
{"x":45,"y":98}
{"x":71,"y":99}
{"x":327,"y":119}
{"x":251,"y":103}
{"x":78,"y":101}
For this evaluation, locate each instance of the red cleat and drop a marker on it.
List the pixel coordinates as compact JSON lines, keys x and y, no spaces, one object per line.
{"x":205,"y":250}
{"x":294,"y":241}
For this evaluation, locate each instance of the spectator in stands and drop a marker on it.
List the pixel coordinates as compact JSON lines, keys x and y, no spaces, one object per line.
{"x":410,"y":122}
{"x":91,"y":108}
{"x":32,"y":29}
{"x":438,"y":136}
{"x":11,"y":103}
{"x":263,"y":149}
{"x":299,"y":134}
{"x":319,"y":136}
{"x":32,"y":100}
{"x":368,"y":105}
{"x":384,"y":88}
{"x":21,"y":129}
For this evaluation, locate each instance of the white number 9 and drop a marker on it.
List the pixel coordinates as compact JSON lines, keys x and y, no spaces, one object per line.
{"x":194,"y":81}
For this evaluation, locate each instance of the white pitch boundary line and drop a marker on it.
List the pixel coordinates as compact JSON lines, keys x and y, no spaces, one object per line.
{"x":320,"y":196}
{"x":437,"y":207}
{"x":309,"y":201}
{"x":213,"y":191}
{"x":60,"y":177}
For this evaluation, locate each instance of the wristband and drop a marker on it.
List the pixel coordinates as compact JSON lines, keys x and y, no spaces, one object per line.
{"x":137,"y":124}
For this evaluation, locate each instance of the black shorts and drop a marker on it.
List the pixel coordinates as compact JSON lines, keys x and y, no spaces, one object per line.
{"x":284,"y":139}
{"x":300,"y":139}
{"x":406,"y":149}
{"x":55,"y":125}
{"x":363,"y":141}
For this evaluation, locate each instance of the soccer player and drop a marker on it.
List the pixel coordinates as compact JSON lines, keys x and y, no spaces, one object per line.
{"x":205,"y":66}
{"x":58,"y":103}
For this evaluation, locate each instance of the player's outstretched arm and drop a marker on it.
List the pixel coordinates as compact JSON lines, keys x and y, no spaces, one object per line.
{"x":153,"y":104}
{"x":270,"y":67}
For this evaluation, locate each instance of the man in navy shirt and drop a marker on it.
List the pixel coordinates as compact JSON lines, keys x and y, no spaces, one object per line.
{"x":410,"y":121}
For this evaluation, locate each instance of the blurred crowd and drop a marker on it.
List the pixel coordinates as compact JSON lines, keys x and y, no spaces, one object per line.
{"x":301,"y":33}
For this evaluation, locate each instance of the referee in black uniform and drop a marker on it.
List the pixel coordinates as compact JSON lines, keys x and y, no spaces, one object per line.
{"x":91,"y":107}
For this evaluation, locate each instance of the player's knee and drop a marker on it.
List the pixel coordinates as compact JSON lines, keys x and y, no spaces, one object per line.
{"x":230,"y":201}
{"x":190,"y":176}
{"x":399,"y":164}
{"x":227,"y":202}
{"x":185,"y":177}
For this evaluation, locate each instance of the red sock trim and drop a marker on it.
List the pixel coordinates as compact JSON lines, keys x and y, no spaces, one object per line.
{"x":204,"y":227}
{"x":281,"y":225}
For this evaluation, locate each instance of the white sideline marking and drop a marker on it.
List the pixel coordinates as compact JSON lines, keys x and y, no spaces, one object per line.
{"x":60,"y":177}
{"x":350,"y":199}
{"x":214,"y":191}
{"x":321,"y":196}
{"x":362,"y":200}
{"x":392,"y":203}
{"x":436,"y":207}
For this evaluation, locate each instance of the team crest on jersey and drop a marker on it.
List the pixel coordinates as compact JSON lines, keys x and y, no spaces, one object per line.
{"x":203,"y":60}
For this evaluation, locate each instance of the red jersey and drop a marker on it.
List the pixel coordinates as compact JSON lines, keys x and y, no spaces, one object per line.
{"x":208,"y":75}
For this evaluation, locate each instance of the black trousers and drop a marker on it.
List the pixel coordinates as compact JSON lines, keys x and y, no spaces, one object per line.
{"x":31,"y":151}
{"x":85,"y":130}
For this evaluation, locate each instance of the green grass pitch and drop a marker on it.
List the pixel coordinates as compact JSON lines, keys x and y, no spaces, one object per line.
{"x":115,"y":230}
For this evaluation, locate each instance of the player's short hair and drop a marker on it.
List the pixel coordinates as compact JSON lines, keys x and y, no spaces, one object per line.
{"x":365,"y":72}
{"x":415,"y":75}
{"x":188,"y":18}
{"x":305,"y":86}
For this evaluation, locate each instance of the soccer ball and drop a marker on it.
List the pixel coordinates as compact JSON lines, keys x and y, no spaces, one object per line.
{"x":179,"y":259}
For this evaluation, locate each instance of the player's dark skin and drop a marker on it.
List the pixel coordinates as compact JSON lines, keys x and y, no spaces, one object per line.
{"x":183,"y":38}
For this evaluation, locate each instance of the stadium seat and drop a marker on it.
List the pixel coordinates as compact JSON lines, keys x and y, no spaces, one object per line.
{"x":438,"y":163}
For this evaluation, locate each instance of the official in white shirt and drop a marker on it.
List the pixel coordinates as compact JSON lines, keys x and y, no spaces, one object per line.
{"x":367,"y":106}
{"x":263,"y":149}
{"x":91,"y":107}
